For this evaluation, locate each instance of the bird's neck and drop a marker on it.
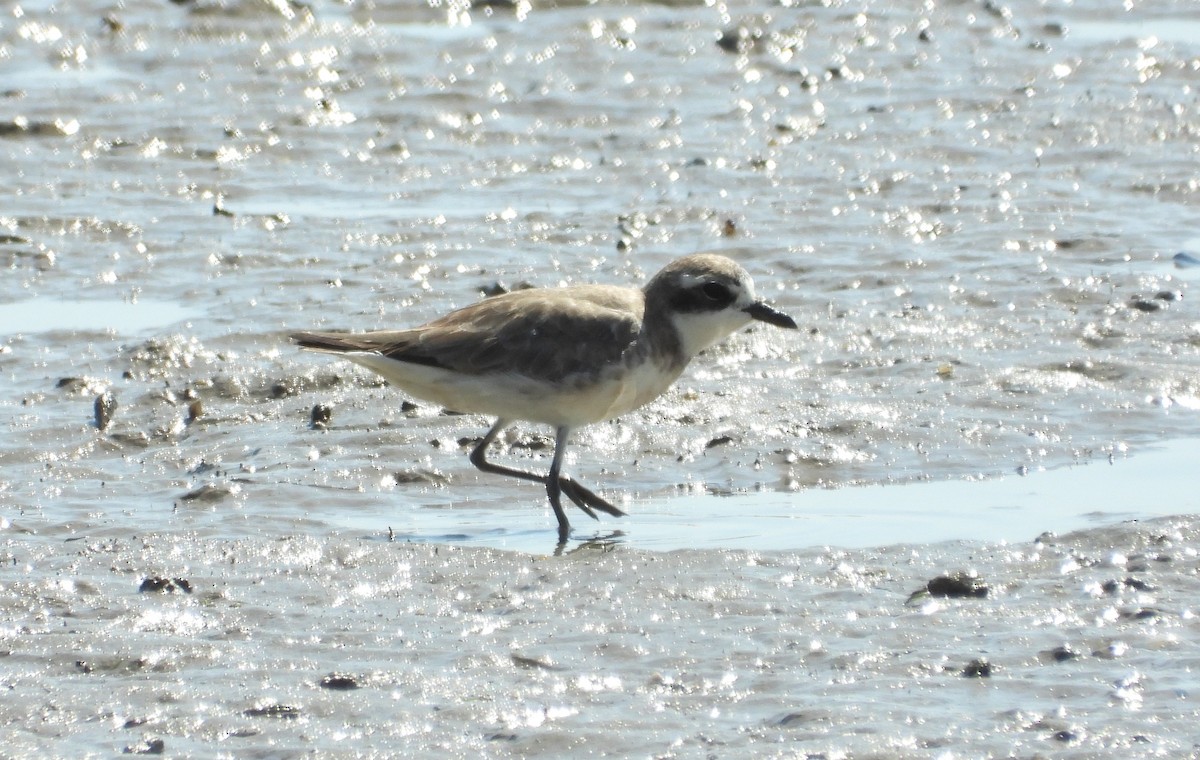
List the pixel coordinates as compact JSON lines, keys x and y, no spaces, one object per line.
{"x":661,"y":342}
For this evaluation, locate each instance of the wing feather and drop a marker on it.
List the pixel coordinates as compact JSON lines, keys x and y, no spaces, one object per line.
{"x":548,"y":335}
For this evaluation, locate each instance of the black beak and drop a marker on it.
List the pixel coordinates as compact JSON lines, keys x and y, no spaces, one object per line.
{"x":764,"y":313}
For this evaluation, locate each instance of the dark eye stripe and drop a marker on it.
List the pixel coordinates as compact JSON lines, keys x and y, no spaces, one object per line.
{"x":708,"y":296}
{"x":717,"y":292}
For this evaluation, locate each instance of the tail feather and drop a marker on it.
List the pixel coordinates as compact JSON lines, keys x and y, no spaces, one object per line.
{"x":333,"y":343}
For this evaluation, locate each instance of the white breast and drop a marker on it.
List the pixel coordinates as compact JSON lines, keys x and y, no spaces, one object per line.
{"x":517,"y":397}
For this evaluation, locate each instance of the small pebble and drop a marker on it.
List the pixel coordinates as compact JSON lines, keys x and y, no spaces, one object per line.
{"x":736,"y":40}
{"x":957,"y":586}
{"x":282,"y":390}
{"x":148,"y":747}
{"x":533,"y":663}
{"x":321,"y":416}
{"x":1113,"y":586}
{"x":420,"y":476}
{"x":793,"y":719}
{"x":339,"y":682}
{"x":532,"y":443}
{"x":208,"y":493}
{"x":165,"y":585}
{"x":1145,"y":613}
{"x":979,"y":668}
{"x":104,"y":407}
{"x":273,"y":711}
{"x":1184,"y":260}
{"x":498,"y":288}
{"x":1063,"y":654}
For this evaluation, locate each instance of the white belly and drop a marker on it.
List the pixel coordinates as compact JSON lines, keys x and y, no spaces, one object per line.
{"x":517,"y":397}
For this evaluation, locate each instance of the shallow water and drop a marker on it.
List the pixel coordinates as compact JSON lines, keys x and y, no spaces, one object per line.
{"x":975,"y":211}
{"x":41,"y":315}
{"x":1005,"y":509}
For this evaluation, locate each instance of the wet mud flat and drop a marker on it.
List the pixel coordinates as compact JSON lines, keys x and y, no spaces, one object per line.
{"x":1074,"y":645}
{"x":985,"y":215}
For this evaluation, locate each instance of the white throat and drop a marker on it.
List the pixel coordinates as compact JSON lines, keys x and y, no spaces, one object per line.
{"x":699,"y":331}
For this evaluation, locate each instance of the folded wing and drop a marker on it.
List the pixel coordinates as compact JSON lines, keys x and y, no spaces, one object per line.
{"x":548,"y":335}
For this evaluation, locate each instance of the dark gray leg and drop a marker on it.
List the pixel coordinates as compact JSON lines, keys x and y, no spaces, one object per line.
{"x":582,"y":497}
{"x":554,"y":485}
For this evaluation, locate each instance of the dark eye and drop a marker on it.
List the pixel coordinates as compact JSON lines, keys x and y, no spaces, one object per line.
{"x":715,"y":291}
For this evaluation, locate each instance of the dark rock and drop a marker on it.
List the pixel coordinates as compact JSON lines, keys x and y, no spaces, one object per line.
{"x":320,"y":416}
{"x":532,"y":443}
{"x":207,"y":494}
{"x":105,"y":406}
{"x":195,"y":411}
{"x":792,"y":719}
{"x":148,"y":747}
{"x":165,"y":585}
{"x":532,"y":663}
{"x":498,"y":288}
{"x":137,"y":439}
{"x":415,"y":476}
{"x":737,"y":40}
{"x":1183,"y":260}
{"x":957,"y":586}
{"x":979,"y":668}
{"x":1113,"y":586}
{"x":338,"y":682}
{"x":1063,"y":654}
{"x":287,"y":712}
{"x":1144,"y":613}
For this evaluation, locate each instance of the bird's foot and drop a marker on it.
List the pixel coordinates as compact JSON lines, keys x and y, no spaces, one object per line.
{"x":587,"y":500}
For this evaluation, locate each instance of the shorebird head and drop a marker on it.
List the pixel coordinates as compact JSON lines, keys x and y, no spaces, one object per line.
{"x":707,"y":298}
